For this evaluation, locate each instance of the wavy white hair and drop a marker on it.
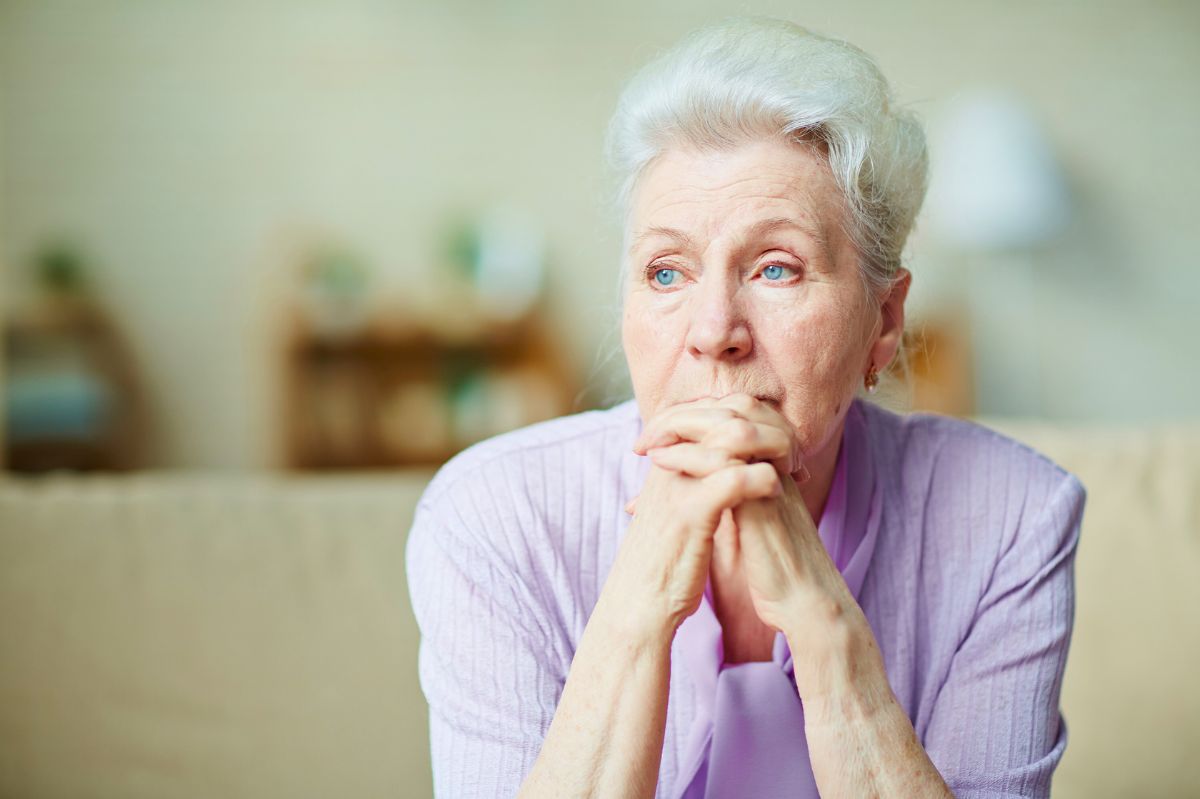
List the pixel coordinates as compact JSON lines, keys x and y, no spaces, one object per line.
{"x":751,"y":79}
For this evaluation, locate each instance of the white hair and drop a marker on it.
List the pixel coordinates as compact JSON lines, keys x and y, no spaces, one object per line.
{"x":752,"y":79}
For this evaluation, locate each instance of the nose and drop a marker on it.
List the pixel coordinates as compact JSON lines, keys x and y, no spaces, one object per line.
{"x":718,"y":327}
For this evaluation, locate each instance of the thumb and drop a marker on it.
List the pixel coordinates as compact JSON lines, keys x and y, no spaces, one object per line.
{"x":725,"y":540}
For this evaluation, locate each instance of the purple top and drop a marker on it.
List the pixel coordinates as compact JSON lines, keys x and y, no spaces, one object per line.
{"x":747,"y":736}
{"x":959,"y":544}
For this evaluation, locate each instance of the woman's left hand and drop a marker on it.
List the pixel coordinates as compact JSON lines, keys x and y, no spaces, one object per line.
{"x":792,"y":581}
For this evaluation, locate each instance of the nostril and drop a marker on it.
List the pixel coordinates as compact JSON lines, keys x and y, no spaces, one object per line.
{"x":723,"y":337}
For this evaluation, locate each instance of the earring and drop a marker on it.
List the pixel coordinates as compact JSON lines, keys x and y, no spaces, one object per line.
{"x":872,"y":379}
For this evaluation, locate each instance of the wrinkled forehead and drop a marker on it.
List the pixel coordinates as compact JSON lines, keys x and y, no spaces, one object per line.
{"x":692,"y":199}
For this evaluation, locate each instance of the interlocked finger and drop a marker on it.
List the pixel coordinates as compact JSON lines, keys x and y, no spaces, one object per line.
{"x":684,"y":423}
{"x":696,"y":460}
{"x":745,"y":427}
{"x":733,"y":485}
{"x":751,"y":441}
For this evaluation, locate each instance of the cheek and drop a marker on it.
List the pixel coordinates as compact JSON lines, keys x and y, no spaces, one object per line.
{"x":653,"y":339}
{"x":644,"y":357}
{"x":814,"y":356}
{"x":811,"y":351}
{"x":642,"y":336}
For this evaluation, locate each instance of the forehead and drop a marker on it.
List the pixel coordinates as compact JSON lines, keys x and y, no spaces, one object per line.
{"x":753,"y":188}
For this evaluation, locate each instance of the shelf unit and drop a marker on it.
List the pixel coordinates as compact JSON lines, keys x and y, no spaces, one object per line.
{"x":401,"y":395}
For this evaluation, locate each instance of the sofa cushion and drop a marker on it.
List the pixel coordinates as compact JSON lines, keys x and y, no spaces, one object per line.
{"x":184,"y":635}
{"x":1130,"y":696}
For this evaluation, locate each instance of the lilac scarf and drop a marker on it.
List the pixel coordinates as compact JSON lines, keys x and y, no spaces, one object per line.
{"x":748,"y":735}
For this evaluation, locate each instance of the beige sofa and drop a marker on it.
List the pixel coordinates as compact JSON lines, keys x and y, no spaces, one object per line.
{"x":200,"y":635}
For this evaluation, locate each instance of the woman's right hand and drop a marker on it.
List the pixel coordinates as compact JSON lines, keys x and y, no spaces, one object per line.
{"x":661,"y":567}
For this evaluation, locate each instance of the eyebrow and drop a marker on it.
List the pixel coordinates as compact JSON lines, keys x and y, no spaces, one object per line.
{"x":760,"y":228}
{"x":678,"y":236}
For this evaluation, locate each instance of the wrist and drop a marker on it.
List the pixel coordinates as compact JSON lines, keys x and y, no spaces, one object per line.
{"x":838,"y":667}
{"x":635,"y":628}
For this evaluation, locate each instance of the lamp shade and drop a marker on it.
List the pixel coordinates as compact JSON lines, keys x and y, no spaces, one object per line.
{"x":995,"y":183}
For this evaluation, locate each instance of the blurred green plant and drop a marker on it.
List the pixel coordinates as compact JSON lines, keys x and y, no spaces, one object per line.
{"x":59,"y":270}
{"x":338,"y":272}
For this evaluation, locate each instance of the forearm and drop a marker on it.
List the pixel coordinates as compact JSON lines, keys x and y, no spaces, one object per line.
{"x":607,"y":734}
{"x":860,"y":741}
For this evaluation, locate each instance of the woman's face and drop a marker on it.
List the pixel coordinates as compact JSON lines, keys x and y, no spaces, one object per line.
{"x":741,"y":279}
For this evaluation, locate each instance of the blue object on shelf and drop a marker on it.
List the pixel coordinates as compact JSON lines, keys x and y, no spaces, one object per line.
{"x":56,"y":405}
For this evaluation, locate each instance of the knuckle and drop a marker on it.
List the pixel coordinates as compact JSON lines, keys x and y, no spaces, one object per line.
{"x":721,"y":456}
{"x":781,"y":441}
{"x":724,"y":483}
{"x":736,"y":483}
{"x":740,"y":432}
{"x":726,"y":416}
{"x":758,"y":477}
{"x":747,"y":477}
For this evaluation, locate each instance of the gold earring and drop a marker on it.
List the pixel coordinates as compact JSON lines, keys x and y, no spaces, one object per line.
{"x":872,"y":379}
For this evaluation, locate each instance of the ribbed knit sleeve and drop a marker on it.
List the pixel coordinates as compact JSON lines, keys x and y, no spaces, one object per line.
{"x":996,"y":729}
{"x":487,"y":660}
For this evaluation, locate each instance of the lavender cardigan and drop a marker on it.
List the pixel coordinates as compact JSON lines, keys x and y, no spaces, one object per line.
{"x":970,"y":594}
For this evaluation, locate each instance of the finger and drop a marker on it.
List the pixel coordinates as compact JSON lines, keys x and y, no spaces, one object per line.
{"x":651,"y":424}
{"x":725,"y":541}
{"x":752,"y":408}
{"x":685,"y":423}
{"x":749,"y":441}
{"x":696,"y":460}
{"x":631,"y":506}
{"x":746,"y":439}
{"x":720,"y":427}
{"x":740,"y":402}
{"x":733,"y":485}
{"x":763,"y":412}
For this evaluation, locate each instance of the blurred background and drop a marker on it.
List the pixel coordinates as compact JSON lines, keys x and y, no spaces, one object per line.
{"x":268,"y":206}
{"x":276,"y":240}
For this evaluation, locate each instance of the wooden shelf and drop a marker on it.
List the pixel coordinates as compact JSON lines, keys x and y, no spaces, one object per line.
{"x":75,"y":338}
{"x":400,"y":395}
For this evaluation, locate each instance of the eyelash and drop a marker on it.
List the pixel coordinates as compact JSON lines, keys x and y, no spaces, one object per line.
{"x":654,"y":268}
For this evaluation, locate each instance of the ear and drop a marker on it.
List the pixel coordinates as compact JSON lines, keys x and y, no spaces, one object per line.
{"x":891,"y":329}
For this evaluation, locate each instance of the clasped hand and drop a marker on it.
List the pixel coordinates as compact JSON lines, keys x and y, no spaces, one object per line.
{"x":731,"y":464}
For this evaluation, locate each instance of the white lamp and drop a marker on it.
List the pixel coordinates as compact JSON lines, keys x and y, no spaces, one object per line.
{"x":997,"y":194}
{"x":995,"y":183}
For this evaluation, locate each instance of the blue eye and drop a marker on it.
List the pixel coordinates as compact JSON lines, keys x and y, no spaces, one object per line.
{"x":665,"y":277}
{"x":775,"y":271}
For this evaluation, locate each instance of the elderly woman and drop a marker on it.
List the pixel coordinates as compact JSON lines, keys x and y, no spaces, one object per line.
{"x":749,"y":581}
